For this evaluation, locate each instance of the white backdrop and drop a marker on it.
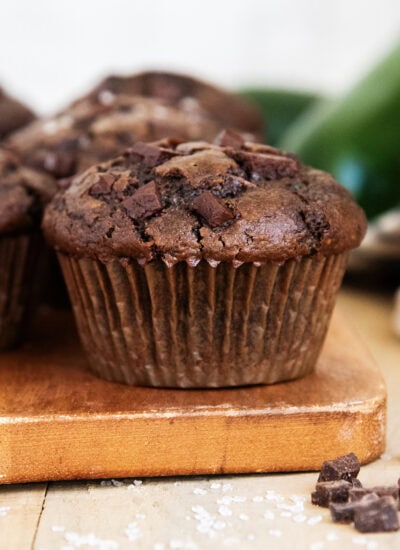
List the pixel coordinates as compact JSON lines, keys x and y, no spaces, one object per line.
{"x":53,"y":49}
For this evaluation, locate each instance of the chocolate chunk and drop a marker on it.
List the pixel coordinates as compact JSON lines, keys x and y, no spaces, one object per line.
{"x":377,"y":516}
{"x":212,"y":209}
{"x":345,"y":467}
{"x":229,"y":138}
{"x":356,"y":483}
{"x":144,"y":202}
{"x":266,"y":166}
{"x":148,"y":154}
{"x":330,"y":491}
{"x":102,"y":185}
{"x":343,"y":512}
{"x":60,"y":163}
{"x":381,"y":491}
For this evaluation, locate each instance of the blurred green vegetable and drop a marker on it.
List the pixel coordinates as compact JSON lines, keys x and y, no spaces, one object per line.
{"x":279,"y":108}
{"x":357,"y":138}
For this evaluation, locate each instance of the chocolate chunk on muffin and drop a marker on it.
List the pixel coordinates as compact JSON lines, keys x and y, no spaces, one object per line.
{"x":203,"y":265}
{"x":95,"y":129}
{"x":13,"y":114}
{"x":194,"y":96}
{"x":23,"y":194}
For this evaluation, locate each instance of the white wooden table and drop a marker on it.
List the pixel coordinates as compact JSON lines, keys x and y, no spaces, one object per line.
{"x":247,"y":511}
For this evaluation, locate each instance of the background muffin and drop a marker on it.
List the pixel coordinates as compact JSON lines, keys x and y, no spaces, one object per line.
{"x":198,"y":98}
{"x":13,"y":114}
{"x":23,"y":194}
{"x":196,"y":265}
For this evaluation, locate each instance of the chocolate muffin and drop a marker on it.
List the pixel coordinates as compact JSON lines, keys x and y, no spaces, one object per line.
{"x":198,"y":98}
{"x":23,"y":194}
{"x":101,"y":126}
{"x":195,"y":265}
{"x":13,"y":114}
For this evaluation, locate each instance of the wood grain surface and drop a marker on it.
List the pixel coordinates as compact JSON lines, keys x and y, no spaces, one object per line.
{"x":58,"y":421}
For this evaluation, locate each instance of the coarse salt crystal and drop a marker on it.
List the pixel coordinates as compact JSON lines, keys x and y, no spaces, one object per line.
{"x":90,"y":539}
{"x":132,"y":531}
{"x":317,"y":546}
{"x":257,"y":499}
{"x":4,"y":510}
{"x":299,"y":518}
{"x":215,"y":485}
{"x":57,"y":528}
{"x":331,"y":536}
{"x":286,"y":514}
{"x":244,"y":517}
{"x":227,"y":487}
{"x":314,"y":520}
{"x":269,"y":515}
{"x":225,"y":511}
{"x":359,"y":540}
{"x":275,"y":532}
{"x":199,"y":491}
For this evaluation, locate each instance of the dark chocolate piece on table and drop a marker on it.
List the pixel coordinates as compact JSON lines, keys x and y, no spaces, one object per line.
{"x":344,"y":512}
{"x":377,"y":516}
{"x":357,"y":493}
{"x":345,"y":467}
{"x":330,"y":491}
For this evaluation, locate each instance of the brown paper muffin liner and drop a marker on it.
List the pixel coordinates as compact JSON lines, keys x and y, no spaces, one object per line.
{"x":22,"y":259}
{"x":203,"y":326}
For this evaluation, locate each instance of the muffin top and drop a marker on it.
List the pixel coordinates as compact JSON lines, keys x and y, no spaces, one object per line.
{"x":13,"y":114}
{"x":229,"y":201}
{"x":227,"y":109}
{"x":98,"y":128}
{"x":23,"y":194}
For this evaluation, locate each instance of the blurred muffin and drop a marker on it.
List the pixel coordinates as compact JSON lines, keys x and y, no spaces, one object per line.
{"x":13,"y":115}
{"x":195,"y":97}
{"x":23,"y":194}
{"x":195,"y":265}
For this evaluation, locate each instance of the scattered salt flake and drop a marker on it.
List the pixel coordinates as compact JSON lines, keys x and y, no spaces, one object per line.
{"x":269,"y":515}
{"x":299,"y":518}
{"x":177,"y":483}
{"x":227,"y":487}
{"x":238,"y":499}
{"x":314,"y":520}
{"x":106,"y":483}
{"x":244,"y":517}
{"x":4,"y":510}
{"x":372,"y":545}
{"x":275,"y":532}
{"x":298,"y":498}
{"x":133,"y":531}
{"x":225,"y":500}
{"x":295,"y":508}
{"x":224,"y":511}
{"x":317,"y":546}
{"x":58,"y":528}
{"x":215,"y":485}
{"x":117,"y":483}
{"x":386,"y":456}
{"x":332,"y":536}
{"x":257,"y":499}
{"x":198,"y":491}
{"x":272,"y":495}
{"x":359,"y":540}
{"x":286,"y":514}
{"x":77,"y":541}
{"x":137,"y":482}
{"x":140,"y":516}
{"x":159,"y":546}
{"x":250,"y":536}
{"x":219,"y":525}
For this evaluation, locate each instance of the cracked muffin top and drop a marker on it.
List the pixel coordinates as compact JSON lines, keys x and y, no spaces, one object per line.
{"x":13,"y":114}
{"x":99,"y":127}
{"x":227,"y":109}
{"x":23,"y":194}
{"x":187,"y":201}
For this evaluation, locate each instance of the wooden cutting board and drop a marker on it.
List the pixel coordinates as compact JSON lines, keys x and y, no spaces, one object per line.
{"x":58,"y":421}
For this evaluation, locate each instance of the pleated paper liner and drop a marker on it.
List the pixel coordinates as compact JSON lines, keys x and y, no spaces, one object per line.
{"x":22,"y":259}
{"x":203,"y":326}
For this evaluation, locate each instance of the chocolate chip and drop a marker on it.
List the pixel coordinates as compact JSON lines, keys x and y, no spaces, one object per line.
{"x":102,"y":185}
{"x":212,"y":209}
{"x":330,"y":491}
{"x":345,"y":467}
{"x":356,"y":494}
{"x":343,"y":512}
{"x":144,"y":202}
{"x":148,"y":154}
{"x":60,"y":163}
{"x":229,"y":138}
{"x":266,"y":166}
{"x":377,"y":516}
